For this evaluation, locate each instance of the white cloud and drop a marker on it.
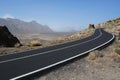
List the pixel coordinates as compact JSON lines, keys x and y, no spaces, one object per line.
{"x":7,"y":16}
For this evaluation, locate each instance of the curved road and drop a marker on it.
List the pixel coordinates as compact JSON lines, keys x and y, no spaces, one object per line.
{"x":15,"y":66}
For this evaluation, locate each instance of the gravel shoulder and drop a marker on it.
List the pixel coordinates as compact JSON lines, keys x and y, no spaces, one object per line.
{"x":82,"y":69}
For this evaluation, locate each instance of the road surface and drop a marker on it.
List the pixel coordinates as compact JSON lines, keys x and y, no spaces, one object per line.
{"x":15,"y":66}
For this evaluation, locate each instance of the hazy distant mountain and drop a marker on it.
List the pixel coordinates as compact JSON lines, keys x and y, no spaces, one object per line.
{"x":17,"y":26}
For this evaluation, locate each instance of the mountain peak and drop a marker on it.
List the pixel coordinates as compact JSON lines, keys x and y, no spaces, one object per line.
{"x":33,"y":21}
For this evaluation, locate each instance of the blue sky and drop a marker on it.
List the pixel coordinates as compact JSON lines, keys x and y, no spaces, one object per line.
{"x":61,"y":15}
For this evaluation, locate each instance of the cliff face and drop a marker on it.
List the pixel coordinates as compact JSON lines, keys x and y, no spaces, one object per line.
{"x":7,"y":39}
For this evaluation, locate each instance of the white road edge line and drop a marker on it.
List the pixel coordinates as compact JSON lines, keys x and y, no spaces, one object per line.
{"x":50,"y":50}
{"x":63,"y":60}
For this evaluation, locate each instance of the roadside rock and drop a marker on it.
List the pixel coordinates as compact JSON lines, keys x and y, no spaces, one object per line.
{"x":7,"y":39}
{"x":91,"y":26}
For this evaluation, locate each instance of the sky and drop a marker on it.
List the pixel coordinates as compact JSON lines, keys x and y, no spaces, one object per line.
{"x":61,"y":15}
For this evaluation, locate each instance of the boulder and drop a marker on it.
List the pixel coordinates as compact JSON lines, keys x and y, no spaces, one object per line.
{"x":91,"y":26}
{"x":7,"y":39}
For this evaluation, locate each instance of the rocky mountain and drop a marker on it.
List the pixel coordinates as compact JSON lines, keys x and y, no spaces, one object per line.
{"x":17,"y":26}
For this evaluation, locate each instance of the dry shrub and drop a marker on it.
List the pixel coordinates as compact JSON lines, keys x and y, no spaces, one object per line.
{"x":60,"y":40}
{"x":75,"y":36}
{"x":113,"y":55}
{"x":117,"y":50}
{"x":119,"y":36}
{"x":93,"y":55}
{"x":34,"y":43}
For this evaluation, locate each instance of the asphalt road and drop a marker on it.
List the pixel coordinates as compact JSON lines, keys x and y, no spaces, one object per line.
{"x":15,"y":66}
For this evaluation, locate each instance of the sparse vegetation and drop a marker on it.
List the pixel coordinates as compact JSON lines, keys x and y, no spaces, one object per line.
{"x":109,"y":21}
{"x":73,"y":37}
{"x":113,"y":55}
{"x":117,"y":51}
{"x":93,"y":55}
{"x":34,"y":43}
{"x":119,"y":36}
{"x":108,"y":58}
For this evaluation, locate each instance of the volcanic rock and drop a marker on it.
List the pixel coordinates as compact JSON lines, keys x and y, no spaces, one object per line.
{"x":91,"y":26}
{"x":7,"y":39}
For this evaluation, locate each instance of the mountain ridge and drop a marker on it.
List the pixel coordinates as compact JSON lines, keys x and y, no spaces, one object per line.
{"x":17,"y":26}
